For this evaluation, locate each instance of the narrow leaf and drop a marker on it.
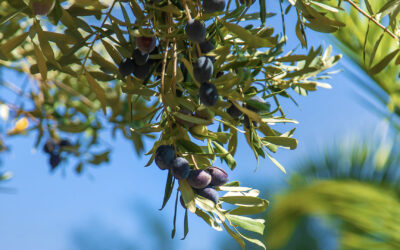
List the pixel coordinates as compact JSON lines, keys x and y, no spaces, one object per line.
{"x":186,"y":225}
{"x":252,"y":41}
{"x":41,"y":61}
{"x":253,"y":225}
{"x":383,"y":63}
{"x":98,"y":90}
{"x":169,"y":186}
{"x":235,"y":236}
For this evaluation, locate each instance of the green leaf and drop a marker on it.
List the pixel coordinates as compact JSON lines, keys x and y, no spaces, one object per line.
{"x":137,"y":11}
{"x":244,"y":210}
{"x":263,"y":11}
{"x":100,"y":158}
{"x":208,"y":219}
{"x":241,"y":200}
{"x":98,"y":90}
{"x":276,"y":163}
{"x":258,"y":105}
{"x":252,"y":41}
{"x":189,"y":146}
{"x":187,"y":195}
{"x":12,"y":43}
{"x":192,"y":119}
{"x":169,"y":186}
{"x":45,"y":45}
{"x":174,"y":221}
{"x":41,"y":61}
{"x":226,"y":156}
{"x":235,"y":236}
{"x":253,"y":225}
{"x":112,"y":52}
{"x":383,"y":63}
{"x":281,"y":141}
{"x":127,"y":21}
{"x":106,"y":65}
{"x":9,"y":17}
{"x":186,"y":225}
{"x":254,"y":241}
{"x":73,"y":127}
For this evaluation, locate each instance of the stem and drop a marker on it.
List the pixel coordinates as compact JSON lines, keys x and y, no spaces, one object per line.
{"x":175,"y":58}
{"x":72,"y":91}
{"x":372,"y":19}
{"x":195,"y":163}
{"x":98,"y":34}
{"x":189,"y":17}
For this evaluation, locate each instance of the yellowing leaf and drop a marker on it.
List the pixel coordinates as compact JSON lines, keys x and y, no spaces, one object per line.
{"x":19,"y":127}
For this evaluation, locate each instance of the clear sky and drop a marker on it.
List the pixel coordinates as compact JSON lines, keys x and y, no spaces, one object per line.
{"x":122,"y":199}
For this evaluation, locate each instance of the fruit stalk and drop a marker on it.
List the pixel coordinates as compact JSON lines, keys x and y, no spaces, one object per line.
{"x":189,"y":17}
{"x":195,"y":163}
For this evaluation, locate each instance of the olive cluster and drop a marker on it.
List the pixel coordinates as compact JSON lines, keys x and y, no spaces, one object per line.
{"x":139,"y":63}
{"x":203,"y":69}
{"x":202,"y":181}
{"x":54,"y":150}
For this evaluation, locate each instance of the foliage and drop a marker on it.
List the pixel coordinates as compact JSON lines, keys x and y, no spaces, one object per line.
{"x":368,"y":33}
{"x":354,"y":188}
{"x":77,"y":90}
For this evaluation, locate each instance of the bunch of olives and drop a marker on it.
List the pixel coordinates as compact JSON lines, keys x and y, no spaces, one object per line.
{"x":202,"y":181}
{"x":54,"y":149}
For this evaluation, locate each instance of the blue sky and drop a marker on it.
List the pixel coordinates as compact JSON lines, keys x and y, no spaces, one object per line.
{"x":47,"y":208}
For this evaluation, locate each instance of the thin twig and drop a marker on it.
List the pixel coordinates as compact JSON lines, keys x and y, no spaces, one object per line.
{"x":20,"y":111}
{"x":373,"y":19}
{"x":14,"y":88}
{"x":72,"y":91}
{"x":163,"y":83}
{"x":98,"y":34}
{"x":174,"y":73}
{"x":189,"y":17}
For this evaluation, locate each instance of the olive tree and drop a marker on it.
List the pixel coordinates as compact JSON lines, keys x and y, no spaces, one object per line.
{"x":193,"y":76}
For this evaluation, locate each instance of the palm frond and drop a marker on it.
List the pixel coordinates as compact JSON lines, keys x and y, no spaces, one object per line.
{"x":354,"y":188}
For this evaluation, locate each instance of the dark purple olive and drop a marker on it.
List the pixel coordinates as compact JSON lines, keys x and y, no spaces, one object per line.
{"x":199,"y":179}
{"x":210,"y":6}
{"x":233,"y":111}
{"x":180,"y":168}
{"x":165,"y":154}
{"x":146,"y":44}
{"x":55,"y":160}
{"x":141,"y":71}
{"x":208,"y":94}
{"x":195,"y":31}
{"x":203,"y":69}
{"x":139,"y":57}
{"x":209,"y":193}
{"x":126,"y":67}
{"x":50,"y":146}
{"x":218,"y":176}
